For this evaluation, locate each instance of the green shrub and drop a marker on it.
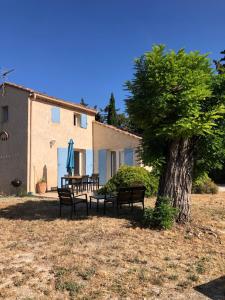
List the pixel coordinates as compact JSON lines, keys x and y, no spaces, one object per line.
{"x":130,"y":176}
{"x":204,"y":185}
{"x":162,"y":216}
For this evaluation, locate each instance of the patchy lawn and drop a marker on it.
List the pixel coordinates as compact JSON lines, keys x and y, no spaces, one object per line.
{"x":104,"y":257}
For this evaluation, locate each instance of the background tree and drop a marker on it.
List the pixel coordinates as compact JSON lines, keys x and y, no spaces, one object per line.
{"x":82,"y":102}
{"x":220,"y":65}
{"x":172,"y":102}
{"x":112,"y":115}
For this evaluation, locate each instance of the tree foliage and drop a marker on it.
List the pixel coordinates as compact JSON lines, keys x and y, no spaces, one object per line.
{"x":175,"y":95}
{"x":220,"y":65}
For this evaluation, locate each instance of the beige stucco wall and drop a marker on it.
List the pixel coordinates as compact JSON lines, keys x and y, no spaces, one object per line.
{"x":112,"y":140}
{"x":43,"y":130}
{"x":13,"y":152}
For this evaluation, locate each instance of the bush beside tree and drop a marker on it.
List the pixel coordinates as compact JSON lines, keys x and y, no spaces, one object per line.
{"x":204,"y":185}
{"x":130,"y":176}
{"x":162,"y":216}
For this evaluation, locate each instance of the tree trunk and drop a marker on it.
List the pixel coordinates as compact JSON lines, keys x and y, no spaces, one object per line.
{"x":176,"y":179}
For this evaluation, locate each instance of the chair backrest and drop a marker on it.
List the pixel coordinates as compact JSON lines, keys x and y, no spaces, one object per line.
{"x":138,"y":193}
{"x":85,"y":178}
{"x":95,"y":177}
{"x":124,"y":195}
{"x":65,"y":196}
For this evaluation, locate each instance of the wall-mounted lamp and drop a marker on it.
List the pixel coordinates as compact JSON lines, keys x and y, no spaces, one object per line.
{"x":52,"y":143}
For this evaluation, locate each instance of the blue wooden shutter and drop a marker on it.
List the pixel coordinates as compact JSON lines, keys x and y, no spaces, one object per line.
{"x":102,"y":166}
{"x":83,"y":121}
{"x":62,"y":158}
{"x":129,"y":156}
{"x":55,"y":114}
{"x":89,"y":162}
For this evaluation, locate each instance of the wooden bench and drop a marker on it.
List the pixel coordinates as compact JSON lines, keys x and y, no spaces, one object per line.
{"x":127,"y":195}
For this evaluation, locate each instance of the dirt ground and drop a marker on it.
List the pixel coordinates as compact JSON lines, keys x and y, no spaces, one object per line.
{"x":110,"y":257}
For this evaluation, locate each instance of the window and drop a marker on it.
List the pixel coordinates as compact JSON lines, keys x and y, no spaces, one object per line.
{"x":76,"y":120}
{"x":5,"y":114}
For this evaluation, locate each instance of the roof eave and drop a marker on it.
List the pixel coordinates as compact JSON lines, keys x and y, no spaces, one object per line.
{"x":64,"y":103}
{"x":119,"y":130}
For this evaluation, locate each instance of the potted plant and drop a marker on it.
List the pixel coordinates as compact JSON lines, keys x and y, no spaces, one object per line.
{"x":41,"y":186}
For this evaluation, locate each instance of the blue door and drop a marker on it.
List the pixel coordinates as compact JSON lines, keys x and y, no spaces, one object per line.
{"x":61,"y":158}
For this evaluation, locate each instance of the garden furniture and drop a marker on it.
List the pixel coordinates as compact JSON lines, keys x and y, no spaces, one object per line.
{"x":127,"y":195}
{"x":94,"y":181}
{"x":67,"y":198}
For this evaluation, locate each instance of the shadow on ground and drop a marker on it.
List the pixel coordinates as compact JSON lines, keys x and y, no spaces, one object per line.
{"x":214,"y":289}
{"x":48,"y":210}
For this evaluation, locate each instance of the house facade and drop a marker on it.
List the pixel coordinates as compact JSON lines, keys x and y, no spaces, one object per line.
{"x":34,"y":133}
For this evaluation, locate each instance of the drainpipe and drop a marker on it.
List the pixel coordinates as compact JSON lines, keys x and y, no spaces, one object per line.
{"x":31,"y":98}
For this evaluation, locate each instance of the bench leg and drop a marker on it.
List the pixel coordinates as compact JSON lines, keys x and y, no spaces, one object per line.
{"x":104,"y":207}
{"x":87,"y":207}
{"x":97,"y":204}
{"x":71,"y":211}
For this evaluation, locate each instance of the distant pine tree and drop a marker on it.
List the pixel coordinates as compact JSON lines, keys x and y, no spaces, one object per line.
{"x":82,"y":102}
{"x":112,"y":115}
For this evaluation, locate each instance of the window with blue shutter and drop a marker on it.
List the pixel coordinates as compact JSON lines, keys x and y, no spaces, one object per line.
{"x":83,"y":121}
{"x":61,"y":162}
{"x":89,"y":162}
{"x":55,"y":114}
{"x":102,"y":166}
{"x":129,"y":156}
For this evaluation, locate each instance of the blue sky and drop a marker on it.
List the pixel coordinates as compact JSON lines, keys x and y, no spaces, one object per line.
{"x":85,"y":48}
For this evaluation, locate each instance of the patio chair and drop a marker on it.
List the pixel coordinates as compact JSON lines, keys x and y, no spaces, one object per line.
{"x":94,"y":181}
{"x":85,"y":182}
{"x":138,"y":195}
{"x":77,"y":185}
{"x":67,"y":198}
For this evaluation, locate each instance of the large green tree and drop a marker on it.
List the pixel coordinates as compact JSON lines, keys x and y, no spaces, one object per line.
{"x":172,"y":100}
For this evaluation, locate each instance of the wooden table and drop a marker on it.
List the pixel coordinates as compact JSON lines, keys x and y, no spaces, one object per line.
{"x":69,"y":179}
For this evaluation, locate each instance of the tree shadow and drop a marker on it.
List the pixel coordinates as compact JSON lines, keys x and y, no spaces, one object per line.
{"x":214,"y":289}
{"x":48,"y":210}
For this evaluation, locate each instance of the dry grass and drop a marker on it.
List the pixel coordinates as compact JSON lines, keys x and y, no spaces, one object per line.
{"x":43,"y":257}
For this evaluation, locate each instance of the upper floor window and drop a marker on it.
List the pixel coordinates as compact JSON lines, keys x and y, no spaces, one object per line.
{"x":76,"y":120}
{"x":55,"y":114}
{"x":5,"y":114}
